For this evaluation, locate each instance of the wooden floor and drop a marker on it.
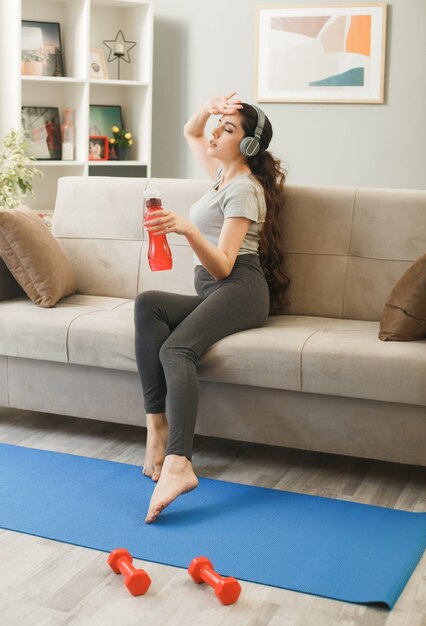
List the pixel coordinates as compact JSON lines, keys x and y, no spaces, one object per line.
{"x":47,"y":583}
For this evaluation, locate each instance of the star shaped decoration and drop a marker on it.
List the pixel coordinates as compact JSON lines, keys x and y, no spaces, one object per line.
{"x":119,"y":43}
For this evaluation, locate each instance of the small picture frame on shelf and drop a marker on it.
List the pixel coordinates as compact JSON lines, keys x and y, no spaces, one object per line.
{"x":41,"y":49}
{"x":43,"y":132}
{"x":98,"y":66}
{"x":102,"y":117}
{"x":98,"y":148}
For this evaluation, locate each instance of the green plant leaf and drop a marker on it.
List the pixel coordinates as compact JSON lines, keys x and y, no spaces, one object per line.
{"x":16,"y":178}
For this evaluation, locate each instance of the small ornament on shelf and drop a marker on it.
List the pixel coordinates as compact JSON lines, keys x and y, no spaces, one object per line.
{"x":119,"y":49}
{"x":68,"y":137}
{"x":47,"y":219}
{"x":98,"y":148}
{"x":32,"y":62}
{"x":121,"y":141}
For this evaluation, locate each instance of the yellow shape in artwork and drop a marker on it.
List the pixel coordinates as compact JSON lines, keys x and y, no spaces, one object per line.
{"x":359,"y":35}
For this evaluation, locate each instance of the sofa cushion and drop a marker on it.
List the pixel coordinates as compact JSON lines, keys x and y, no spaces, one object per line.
{"x":404,"y":313}
{"x":31,"y":332}
{"x":265,"y":357}
{"x":34,"y":257}
{"x":104,"y":338}
{"x":316,"y":227}
{"x":105,"y":267}
{"x":347,"y":358}
{"x":388,"y":235}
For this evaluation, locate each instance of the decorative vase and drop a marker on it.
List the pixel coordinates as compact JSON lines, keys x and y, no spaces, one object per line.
{"x":122,"y":153}
{"x":33,"y":68}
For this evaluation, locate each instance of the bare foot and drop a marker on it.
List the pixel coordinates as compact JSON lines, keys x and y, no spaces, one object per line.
{"x":177,"y":477}
{"x":156,"y":443}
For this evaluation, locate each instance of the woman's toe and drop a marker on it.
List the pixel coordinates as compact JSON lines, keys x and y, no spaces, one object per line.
{"x":154,"y":512}
{"x":152,"y":516}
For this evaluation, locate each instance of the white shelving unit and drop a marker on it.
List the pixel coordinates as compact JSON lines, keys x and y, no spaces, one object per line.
{"x":84,"y":25}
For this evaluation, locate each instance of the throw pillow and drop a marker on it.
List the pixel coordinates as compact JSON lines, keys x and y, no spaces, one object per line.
{"x":404,"y":314}
{"x":34,"y":257}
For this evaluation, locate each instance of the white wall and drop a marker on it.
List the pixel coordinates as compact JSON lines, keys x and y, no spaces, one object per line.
{"x":203,"y":48}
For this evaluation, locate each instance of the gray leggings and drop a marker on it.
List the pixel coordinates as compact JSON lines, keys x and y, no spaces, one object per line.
{"x":173,"y":331}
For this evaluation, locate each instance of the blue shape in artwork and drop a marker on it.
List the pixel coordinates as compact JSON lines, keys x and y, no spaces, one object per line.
{"x":350,"y":78}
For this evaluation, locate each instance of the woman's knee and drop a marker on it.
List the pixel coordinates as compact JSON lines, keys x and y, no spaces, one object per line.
{"x":173,"y":356}
{"x":145,"y":303}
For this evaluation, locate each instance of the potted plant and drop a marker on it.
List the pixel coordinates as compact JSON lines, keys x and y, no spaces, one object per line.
{"x":33,"y":62}
{"x":16,"y":173}
{"x":122,"y":142}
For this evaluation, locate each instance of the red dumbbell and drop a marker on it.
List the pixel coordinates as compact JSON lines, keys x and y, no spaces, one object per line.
{"x":137,"y":581}
{"x":227,"y":589}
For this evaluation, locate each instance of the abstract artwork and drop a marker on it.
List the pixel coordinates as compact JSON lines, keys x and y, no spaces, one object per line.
{"x":321,"y":53}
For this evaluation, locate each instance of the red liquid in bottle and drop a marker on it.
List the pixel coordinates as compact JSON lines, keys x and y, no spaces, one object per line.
{"x":159,"y":254}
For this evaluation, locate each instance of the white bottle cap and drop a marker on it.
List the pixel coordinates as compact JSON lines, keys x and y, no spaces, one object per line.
{"x":152,"y":197}
{"x":151,"y":193}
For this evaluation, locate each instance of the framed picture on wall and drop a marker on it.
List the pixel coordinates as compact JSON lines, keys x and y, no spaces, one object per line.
{"x":321,"y":53}
{"x":43,"y":132}
{"x":102,"y":117}
{"x":41,"y":49}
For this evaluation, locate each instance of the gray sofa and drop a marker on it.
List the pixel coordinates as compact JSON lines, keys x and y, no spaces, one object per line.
{"x":316,"y":378}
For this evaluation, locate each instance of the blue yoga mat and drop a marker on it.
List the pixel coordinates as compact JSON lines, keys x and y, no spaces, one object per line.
{"x":332,"y":548}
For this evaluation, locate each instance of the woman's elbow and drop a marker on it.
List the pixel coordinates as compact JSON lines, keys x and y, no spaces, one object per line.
{"x":224,"y":271}
{"x":221,"y":275}
{"x":188,"y":133}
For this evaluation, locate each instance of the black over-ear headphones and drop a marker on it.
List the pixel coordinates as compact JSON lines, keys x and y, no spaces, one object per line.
{"x":250,"y":146}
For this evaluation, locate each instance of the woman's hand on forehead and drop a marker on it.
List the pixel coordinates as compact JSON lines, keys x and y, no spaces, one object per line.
{"x":224,"y":105}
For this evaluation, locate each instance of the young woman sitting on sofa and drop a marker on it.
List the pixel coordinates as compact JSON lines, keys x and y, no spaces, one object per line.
{"x":233,"y":231}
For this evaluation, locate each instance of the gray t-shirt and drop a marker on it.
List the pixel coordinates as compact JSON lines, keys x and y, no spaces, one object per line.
{"x":242,"y":197}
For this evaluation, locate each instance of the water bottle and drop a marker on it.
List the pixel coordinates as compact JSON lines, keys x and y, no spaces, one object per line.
{"x":159,"y":254}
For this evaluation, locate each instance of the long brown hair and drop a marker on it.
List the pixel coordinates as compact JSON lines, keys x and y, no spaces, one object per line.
{"x":270,"y":173}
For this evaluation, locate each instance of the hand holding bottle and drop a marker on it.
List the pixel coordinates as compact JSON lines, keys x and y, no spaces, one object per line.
{"x":159,"y":254}
{"x":162,"y":222}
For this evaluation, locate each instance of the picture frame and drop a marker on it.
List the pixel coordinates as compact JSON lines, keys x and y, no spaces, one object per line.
{"x":98,"y":67}
{"x":321,"y":53}
{"x":102,"y":117}
{"x":43,"y":132}
{"x":98,"y":148}
{"x":41,"y":49}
